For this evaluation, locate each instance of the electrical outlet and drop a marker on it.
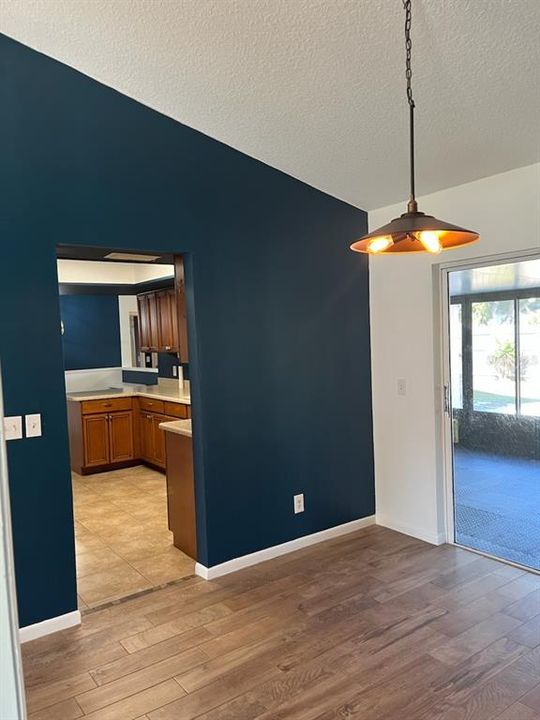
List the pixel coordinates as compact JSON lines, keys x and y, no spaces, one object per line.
{"x":401,"y":386}
{"x":33,"y":425}
{"x":13,"y":427}
{"x":175,"y":371}
{"x":298,"y":503}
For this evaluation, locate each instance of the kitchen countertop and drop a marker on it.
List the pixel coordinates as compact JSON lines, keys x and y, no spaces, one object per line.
{"x":180,"y":427}
{"x":151,"y":391}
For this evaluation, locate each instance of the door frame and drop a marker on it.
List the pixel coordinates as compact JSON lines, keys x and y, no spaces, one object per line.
{"x":442,"y":372}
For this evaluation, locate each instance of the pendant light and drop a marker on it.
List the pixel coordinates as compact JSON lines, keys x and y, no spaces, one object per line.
{"x":413,"y":231}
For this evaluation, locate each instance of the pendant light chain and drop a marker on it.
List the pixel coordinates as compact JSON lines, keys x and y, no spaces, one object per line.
{"x":413,"y":231}
{"x":412,"y":206}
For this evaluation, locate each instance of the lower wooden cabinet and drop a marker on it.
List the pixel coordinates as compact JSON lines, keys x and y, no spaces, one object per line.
{"x":95,"y":440}
{"x":104,"y":434}
{"x":121,"y":437}
{"x":153,"y":438}
{"x":108,"y":439}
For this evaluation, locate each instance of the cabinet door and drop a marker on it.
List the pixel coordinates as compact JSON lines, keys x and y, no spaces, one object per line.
{"x":159,"y":440}
{"x":96,"y":440}
{"x":164,"y":309}
{"x":121,"y":436}
{"x":144,"y":322}
{"x":154,"y":322}
{"x":173,"y":305}
{"x":146,"y":432}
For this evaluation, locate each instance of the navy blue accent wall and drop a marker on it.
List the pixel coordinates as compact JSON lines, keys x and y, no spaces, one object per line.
{"x":166,"y":363}
{"x":139,"y":378}
{"x":278,"y":309}
{"x":91,"y":336}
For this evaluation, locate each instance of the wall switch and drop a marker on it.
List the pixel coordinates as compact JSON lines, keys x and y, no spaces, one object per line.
{"x":401,"y":386}
{"x":33,"y":425}
{"x":298,"y":503}
{"x":13,"y":427}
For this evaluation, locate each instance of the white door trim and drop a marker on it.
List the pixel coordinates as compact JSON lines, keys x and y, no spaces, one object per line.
{"x":443,"y":375}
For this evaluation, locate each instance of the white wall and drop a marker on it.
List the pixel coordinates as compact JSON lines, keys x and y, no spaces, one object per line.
{"x":127,"y":305}
{"x":94,"y":379}
{"x":505,"y":210}
{"x":11,"y":681}
{"x":116,"y":273}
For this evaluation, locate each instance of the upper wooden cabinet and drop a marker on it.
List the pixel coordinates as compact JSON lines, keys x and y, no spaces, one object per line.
{"x":168,"y":328}
{"x":145,"y":336}
{"x":163,"y":321}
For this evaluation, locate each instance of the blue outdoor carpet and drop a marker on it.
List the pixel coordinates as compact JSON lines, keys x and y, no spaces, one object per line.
{"x":497,"y":505}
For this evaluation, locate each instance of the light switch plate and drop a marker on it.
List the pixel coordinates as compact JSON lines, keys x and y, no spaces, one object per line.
{"x":33,"y":425}
{"x":13,"y":427}
{"x":298,"y":503}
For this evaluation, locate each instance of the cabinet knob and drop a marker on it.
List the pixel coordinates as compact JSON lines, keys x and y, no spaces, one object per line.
{"x":107,"y":404}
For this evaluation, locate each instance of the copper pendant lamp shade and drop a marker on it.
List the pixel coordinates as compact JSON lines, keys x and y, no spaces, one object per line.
{"x":405,"y":234}
{"x":413,"y":231}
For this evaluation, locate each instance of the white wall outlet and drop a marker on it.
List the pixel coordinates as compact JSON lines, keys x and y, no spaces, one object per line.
{"x":298,"y":503}
{"x":175,"y":371}
{"x":401,"y":386}
{"x":13,"y":427}
{"x":33,"y":425}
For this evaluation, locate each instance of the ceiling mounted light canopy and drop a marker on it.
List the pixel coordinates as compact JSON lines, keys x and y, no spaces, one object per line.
{"x":413,"y":231}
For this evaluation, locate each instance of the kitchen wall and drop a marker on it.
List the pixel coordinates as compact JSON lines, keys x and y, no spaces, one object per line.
{"x":127,"y":306}
{"x":91,"y":336}
{"x":277,"y":304}
{"x":505,"y":210}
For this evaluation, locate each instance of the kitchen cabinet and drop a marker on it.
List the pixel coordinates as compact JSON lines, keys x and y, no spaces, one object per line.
{"x":181,"y":493}
{"x":168,"y":321}
{"x":121,"y":437}
{"x":163,"y":318}
{"x":153,"y":438}
{"x":96,"y":440}
{"x":144,"y":322}
{"x":109,"y":433}
{"x":101,"y":434}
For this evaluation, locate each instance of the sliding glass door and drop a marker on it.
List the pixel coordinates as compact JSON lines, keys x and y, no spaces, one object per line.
{"x":494,"y":332}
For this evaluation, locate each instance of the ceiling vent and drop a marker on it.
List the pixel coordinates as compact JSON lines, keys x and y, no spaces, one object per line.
{"x":131,"y":257}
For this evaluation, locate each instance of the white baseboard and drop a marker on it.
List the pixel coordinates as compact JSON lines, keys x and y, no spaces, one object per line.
{"x":420,"y":533}
{"x":276,"y":550}
{"x":46,"y":627}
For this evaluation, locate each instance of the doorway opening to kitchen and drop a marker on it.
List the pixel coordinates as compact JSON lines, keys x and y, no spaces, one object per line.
{"x":493,"y":409}
{"x":126,"y":362}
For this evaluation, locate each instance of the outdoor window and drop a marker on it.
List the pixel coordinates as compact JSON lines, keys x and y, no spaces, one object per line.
{"x":494,"y":357}
{"x":456,"y":355}
{"x":529,"y":356}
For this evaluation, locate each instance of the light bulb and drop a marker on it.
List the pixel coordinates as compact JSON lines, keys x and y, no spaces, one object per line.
{"x":379,"y":244}
{"x":430,"y":240}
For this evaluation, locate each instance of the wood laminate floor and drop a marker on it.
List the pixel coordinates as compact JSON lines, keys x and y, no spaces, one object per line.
{"x":122,"y":540}
{"x":373,"y":625}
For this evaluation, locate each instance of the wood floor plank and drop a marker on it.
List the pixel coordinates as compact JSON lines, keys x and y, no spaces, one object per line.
{"x":148,"y":656}
{"x":518,"y":711}
{"x":139,"y":680}
{"x":474,"y":639}
{"x":64,"y":710}
{"x":372,"y":625}
{"x":51,"y":693}
{"x":145,"y":701}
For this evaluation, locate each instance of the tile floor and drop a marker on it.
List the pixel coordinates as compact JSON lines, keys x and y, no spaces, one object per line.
{"x":122,"y":540}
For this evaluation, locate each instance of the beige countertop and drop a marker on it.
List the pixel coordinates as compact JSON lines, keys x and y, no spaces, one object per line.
{"x":151,"y":391}
{"x":180,"y":427}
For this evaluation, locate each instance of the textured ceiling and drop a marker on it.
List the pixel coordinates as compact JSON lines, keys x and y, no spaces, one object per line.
{"x":316,"y":87}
